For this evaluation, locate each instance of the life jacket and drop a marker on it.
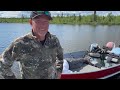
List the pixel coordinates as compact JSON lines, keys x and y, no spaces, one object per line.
{"x":116,"y":51}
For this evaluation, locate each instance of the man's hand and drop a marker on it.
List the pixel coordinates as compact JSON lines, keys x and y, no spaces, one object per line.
{"x":59,"y":64}
{"x":10,"y":77}
{"x":58,"y":75}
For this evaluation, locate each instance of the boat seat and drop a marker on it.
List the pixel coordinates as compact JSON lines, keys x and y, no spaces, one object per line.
{"x":89,"y":68}
{"x":74,"y":64}
{"x":94,"y":55}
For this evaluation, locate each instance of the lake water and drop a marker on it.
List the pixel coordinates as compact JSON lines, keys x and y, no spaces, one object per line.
{"x":73,"y":38}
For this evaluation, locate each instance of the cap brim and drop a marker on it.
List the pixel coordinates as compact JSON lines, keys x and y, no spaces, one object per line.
{"x":50,"y":18}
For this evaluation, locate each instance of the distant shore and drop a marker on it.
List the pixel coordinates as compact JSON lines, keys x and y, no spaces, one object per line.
{"x":89,"y":20}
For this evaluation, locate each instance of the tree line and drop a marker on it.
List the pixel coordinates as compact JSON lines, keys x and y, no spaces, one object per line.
{"x":73,"y":19}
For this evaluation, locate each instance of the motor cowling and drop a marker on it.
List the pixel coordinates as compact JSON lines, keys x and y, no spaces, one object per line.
{"x":94,"y":48}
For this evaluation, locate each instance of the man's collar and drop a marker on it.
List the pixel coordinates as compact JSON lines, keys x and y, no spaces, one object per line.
{"x":48,"y":35}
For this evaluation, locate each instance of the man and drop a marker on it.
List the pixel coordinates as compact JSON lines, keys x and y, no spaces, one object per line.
{"x":39,"y":52}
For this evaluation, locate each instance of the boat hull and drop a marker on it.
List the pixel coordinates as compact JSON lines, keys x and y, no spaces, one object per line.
{"x":101,"y":74}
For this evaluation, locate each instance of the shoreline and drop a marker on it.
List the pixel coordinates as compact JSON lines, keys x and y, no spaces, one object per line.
{"x":72,"y":20}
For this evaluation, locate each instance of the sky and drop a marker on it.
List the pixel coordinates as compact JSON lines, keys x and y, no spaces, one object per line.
{"x":55,"y":13}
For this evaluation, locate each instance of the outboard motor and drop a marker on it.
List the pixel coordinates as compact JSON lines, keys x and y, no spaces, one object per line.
{"x":95,"y":55}
{"x":94,"y":48}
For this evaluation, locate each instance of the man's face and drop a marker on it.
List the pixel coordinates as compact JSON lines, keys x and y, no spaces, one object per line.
{"x":40,"y":25}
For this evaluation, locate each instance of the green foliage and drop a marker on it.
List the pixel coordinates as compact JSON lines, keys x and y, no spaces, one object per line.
{"x":104,"y":20}
{"x":13,"y":20}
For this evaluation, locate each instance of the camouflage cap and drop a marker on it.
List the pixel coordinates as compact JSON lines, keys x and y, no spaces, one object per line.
{"x":37,"y":13}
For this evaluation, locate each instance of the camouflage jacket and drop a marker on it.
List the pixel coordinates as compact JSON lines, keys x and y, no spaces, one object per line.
{"x":37,"y":60}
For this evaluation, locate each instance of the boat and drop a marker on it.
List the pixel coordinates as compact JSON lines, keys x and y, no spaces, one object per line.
{"x":91,"y":71}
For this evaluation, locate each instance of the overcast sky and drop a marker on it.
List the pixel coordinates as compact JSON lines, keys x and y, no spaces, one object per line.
{"x":54,"y":13}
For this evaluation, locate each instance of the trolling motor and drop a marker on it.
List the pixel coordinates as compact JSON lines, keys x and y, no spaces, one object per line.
{"x":97,"y":55}
{"x":94,"y":50}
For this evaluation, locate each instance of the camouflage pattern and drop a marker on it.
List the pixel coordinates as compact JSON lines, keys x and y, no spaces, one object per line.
{"x":37,"y":60}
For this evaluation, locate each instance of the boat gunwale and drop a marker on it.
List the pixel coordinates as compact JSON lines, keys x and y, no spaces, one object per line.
{"x":91,"y":71}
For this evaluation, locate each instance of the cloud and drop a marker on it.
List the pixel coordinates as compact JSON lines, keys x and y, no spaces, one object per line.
{"x":18,"y":14}
{"x":9,"y":13}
